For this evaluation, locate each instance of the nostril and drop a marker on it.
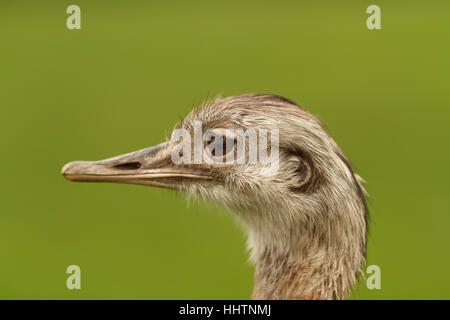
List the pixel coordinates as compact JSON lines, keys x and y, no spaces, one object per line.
{"x":128,"y":166}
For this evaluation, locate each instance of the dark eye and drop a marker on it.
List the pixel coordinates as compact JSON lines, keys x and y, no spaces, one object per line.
{"x":226,"y":144}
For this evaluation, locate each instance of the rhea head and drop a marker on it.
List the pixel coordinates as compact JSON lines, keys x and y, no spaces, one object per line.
{"x":305,"y":215}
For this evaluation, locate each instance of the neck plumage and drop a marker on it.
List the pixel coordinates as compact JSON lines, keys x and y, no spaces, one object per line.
{"x":320,"y":261}
{"x":304,"y":277}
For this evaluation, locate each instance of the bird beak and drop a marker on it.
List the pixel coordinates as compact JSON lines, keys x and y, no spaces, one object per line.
{"x":152,"y":166}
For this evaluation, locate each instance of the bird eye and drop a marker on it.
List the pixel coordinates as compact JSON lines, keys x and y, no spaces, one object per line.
{"x":228,"y":145}
{"x":225,"y":144}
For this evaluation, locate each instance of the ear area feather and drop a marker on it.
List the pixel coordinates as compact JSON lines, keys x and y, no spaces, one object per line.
{"x":306,"y":173}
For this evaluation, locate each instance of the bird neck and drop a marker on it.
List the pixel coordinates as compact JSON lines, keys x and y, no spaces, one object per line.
{"x":306,"y":263}
{"x":296,"y":276}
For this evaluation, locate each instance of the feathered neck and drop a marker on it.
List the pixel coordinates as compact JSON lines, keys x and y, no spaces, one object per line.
{"x":318,"y":259}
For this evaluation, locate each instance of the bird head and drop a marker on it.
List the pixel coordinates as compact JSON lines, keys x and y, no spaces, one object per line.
{"x":274,"y":165}
{"x":299,"y":182}
{"x":251,"y":153}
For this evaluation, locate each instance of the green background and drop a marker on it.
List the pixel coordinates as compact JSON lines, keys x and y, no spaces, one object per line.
{"x":135,"y":68}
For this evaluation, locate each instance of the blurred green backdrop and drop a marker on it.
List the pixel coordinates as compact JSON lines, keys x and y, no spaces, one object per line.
{"x":135,"y":68}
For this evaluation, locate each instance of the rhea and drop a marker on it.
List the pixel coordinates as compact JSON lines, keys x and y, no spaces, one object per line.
{"x":306,"y":218}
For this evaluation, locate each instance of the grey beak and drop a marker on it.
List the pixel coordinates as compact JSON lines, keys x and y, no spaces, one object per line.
{"x":150,"y":166}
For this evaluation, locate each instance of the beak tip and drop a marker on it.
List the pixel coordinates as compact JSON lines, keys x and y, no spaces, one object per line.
{"x":65,"y":169}
{"x":68,"y":170}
